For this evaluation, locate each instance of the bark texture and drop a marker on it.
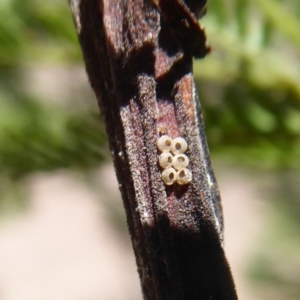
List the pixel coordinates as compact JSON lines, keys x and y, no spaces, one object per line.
{"x":138,"y":56}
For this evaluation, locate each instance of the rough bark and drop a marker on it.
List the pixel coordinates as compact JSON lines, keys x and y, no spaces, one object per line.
{"x":138,"y":56}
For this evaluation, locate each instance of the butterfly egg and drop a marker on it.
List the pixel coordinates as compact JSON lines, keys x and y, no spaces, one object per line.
{"x":184,"y":176}
{"x":179,"y":145}
{"x":164,"y":143}
{"x":165,"y":160}
{"x":180,"y":161}
{"x":169,"y":176}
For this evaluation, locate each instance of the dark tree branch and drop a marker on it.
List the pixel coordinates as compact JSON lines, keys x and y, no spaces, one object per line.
{"x":138,"y":55}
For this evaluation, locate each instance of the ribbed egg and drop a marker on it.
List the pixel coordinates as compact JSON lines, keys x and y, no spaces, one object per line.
{"x":164,"y":143}
{"x":169,"y":176}
{"x":178,"y":145}
{"x":165,"y":160}
{"x":180,"y":161}
{"x":184,"y":176}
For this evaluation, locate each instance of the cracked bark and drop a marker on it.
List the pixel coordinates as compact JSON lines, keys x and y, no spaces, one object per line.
{"x":138,"y":56}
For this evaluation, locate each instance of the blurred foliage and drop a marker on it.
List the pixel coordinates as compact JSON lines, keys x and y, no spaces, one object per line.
{"x":46,"y":138}
{"x":249,"y":86}
{"x":249,"y":90}
{"x":36,"y":31}
{"x":35,"y":136}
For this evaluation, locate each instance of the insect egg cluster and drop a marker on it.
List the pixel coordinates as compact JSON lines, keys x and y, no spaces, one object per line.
{"x":173,"y":161}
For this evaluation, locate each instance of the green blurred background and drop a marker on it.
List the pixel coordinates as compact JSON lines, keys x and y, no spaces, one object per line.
{"x":249,"y":88}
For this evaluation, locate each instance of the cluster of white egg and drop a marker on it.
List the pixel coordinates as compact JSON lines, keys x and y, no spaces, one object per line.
{"x":173,"y":161}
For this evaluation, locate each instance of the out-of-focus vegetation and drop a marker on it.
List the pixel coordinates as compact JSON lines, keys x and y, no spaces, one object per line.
{"x":249,"y":88}
{"x":250,"y":85}
{"x":36,"y":32}
{"x":35,"y":136}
